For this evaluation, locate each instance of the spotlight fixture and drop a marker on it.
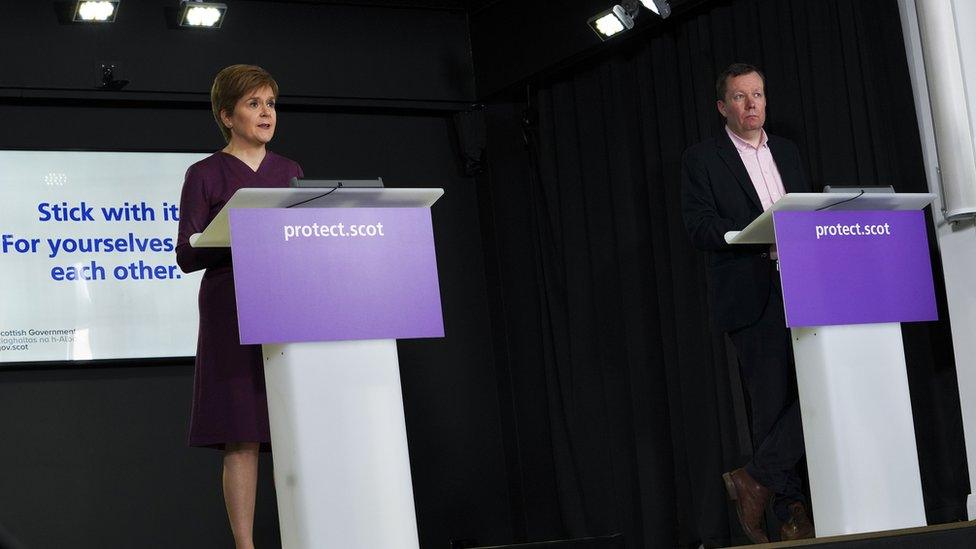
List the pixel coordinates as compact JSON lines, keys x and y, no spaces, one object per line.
{"x":206,"y":15}
{"x":96,"y":11}
{"x":660,"y":7}
{"x":621,"y":16}
{"x":608,"y":23}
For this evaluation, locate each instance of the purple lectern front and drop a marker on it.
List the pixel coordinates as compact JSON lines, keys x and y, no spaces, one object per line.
{"x":326,"y":288}
{"x":853,"y":267}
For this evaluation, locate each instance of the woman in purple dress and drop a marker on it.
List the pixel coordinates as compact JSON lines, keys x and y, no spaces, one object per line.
{"x":230,"y":410}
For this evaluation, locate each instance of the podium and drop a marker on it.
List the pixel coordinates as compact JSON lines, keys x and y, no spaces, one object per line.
{"x":327,"y":281}
{"x":853,"y":266}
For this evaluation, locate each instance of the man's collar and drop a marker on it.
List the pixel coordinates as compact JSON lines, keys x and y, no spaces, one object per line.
{"x":742,"y":145}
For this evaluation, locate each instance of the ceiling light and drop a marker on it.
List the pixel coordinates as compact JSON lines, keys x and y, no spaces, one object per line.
{"x":660,"y":7}
{"x":621,"y":17}
{"x":208,"y":15}
{"x":96,"y":11}
{"x":611,"y":22}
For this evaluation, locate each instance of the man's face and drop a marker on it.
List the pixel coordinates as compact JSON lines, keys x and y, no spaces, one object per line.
{"x":744,"y":106}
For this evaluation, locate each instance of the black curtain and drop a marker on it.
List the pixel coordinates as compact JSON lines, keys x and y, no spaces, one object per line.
{"x":619,"y":401}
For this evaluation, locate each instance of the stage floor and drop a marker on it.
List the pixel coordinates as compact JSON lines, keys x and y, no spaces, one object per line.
{"x":955,"y":535}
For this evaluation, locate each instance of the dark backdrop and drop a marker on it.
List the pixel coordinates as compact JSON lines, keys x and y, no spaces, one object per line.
{"x":580,"y":390}
{"x":97,"y":457}
{"x":618,"y":401}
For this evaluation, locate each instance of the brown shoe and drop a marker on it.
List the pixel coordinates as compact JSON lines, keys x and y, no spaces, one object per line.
{"x":799,"y":525}
{"x":750,"y":499}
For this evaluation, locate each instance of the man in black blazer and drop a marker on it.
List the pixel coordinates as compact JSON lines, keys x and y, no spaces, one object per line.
{"x":728,"y":181}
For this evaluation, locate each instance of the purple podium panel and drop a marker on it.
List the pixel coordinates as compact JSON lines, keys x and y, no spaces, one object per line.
{"x":854,"y":267}
{"x":335,"y":274}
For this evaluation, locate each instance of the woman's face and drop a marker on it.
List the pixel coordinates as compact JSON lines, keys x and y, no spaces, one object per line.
{"x":253,"y":121}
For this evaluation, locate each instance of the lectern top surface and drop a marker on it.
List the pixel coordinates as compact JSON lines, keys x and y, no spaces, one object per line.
{"x":760,"y":231}
{"x":217,"y":233}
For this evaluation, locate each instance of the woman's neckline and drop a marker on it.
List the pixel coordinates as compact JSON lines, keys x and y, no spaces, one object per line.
{"x":246,"y":165}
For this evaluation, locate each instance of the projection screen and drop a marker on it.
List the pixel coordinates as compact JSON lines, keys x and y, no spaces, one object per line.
{"x":87,"y":263}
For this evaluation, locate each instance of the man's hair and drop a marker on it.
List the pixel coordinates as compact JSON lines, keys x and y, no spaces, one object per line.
{"x":231,"y":84}
{"x":735,"y":69}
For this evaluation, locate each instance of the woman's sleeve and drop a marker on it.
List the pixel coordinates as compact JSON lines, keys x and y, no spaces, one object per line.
{"x":194,"y":217}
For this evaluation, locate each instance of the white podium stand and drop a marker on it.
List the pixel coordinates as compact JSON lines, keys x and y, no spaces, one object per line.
{"x":341,"y":465}
{"x":854,"y":399}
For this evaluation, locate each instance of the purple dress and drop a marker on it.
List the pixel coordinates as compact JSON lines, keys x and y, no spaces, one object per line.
{"x":229,"y":401}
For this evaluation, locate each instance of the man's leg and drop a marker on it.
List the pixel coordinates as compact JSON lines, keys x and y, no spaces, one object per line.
{"x":765,"y":361}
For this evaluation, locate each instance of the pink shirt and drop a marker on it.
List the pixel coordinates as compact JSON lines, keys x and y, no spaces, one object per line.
{"x":761,"y":167}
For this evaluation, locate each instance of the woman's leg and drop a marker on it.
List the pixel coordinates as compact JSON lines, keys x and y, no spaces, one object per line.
{"x":240,"y":489}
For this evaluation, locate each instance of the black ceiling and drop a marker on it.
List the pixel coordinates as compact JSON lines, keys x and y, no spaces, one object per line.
{"x":461,"y":5}
{"x":514,"y":41}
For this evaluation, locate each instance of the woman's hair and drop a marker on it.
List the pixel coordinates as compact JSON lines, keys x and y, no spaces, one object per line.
{"x":231,"y":84}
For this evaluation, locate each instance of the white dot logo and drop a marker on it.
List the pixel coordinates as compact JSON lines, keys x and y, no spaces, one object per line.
{"x":55,"y":179}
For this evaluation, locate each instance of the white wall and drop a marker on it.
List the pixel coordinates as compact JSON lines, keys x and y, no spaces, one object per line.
{"x":957,"y":242}
{"x":965,"y":15}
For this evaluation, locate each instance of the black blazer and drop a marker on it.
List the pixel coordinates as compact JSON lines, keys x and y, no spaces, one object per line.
{"x":717,"y":196}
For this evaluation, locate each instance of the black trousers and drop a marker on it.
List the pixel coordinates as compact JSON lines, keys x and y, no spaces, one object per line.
{"x":768,"y":374}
